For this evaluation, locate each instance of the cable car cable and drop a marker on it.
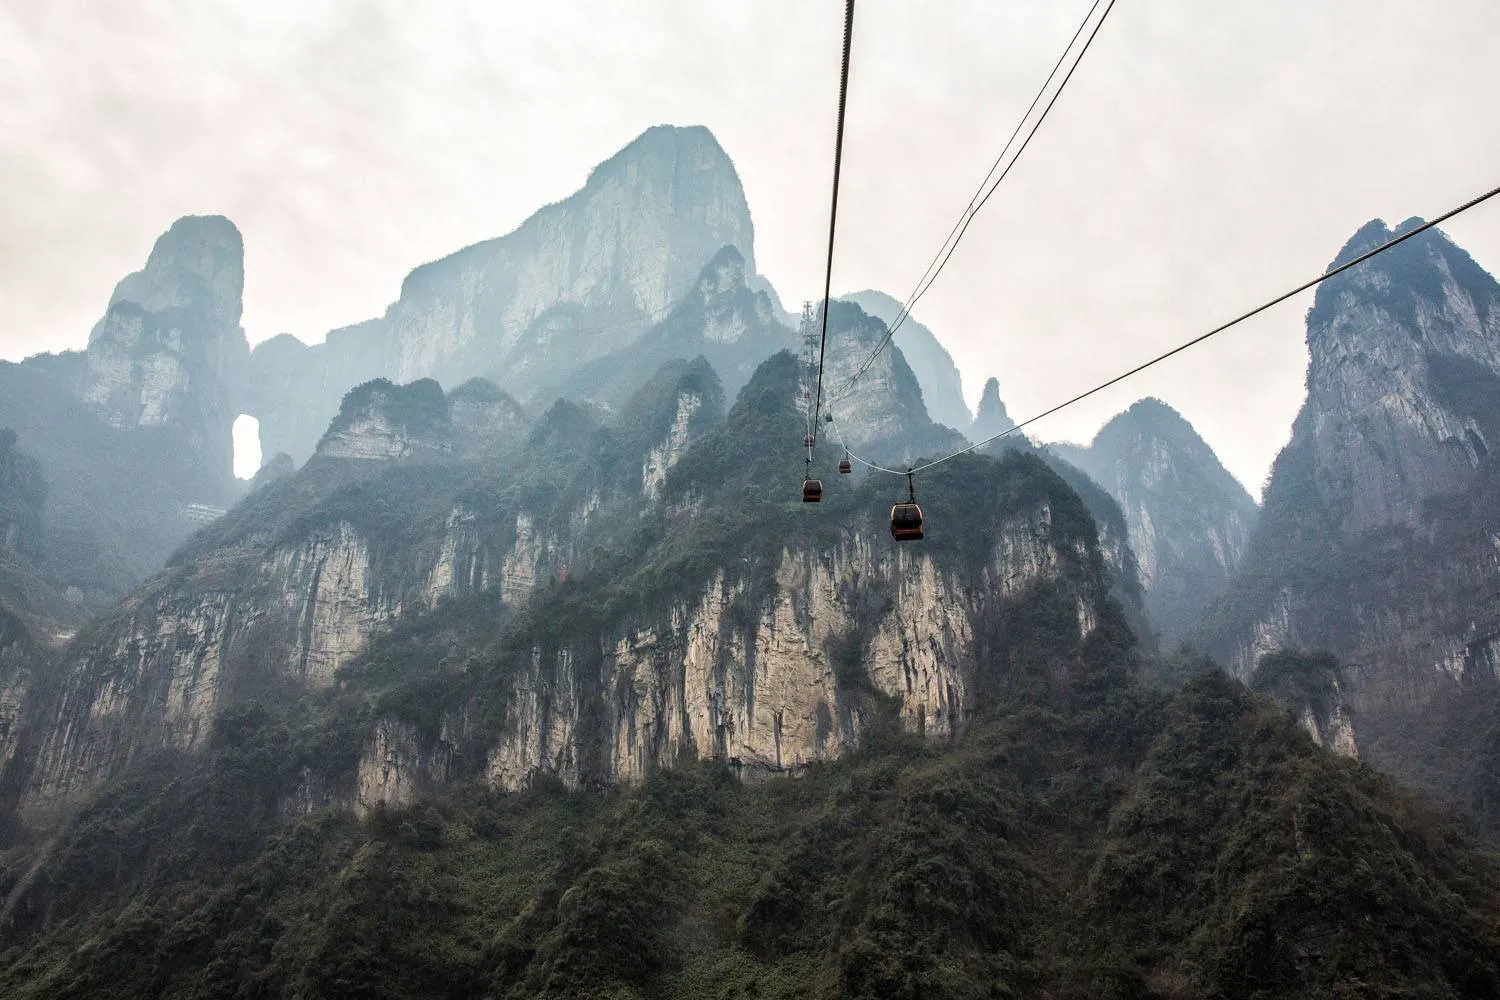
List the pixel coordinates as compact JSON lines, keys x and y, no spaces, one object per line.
{"x":867,"y":464}
{"x":904,"y":312}
{"x":968,"y":217}
{"x":1340,"y":269}
{"x":833,"y":211}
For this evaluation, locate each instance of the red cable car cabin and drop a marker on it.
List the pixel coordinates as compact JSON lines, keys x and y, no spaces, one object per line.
{"x":812,"y":491}
{"x":906,"y":522}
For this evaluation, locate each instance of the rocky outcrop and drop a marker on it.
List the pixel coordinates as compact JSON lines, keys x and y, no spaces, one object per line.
{"x":774,"y":683}
{"x":879,"y":412}
{"x":722,"y":320}
{"x":1189,"y":519}
{"x":154,"y":674}
{"x":395,"y":767}
{"x":1378,"y":535}
{"x":930,"y":362}
{"x":21,"y":658}
{"x":628,"y":245}
{"x":991,"y":418}
{"x":169,"y":351}
{"x":380,"y":421}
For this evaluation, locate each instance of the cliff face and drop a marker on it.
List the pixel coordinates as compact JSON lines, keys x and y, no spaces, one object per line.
{"x":772,"y":659}
{"x":1189,"y":519}
{"x":930,"y":362}
{"x":1377,"y":536}
{"x":380,"y":420}
{"x":720,"y":319}
{"x":578,"y":280}
{"x":881,"y":414}
{"x":137,"y":427}
{"x":775,"y":680}
{"x":169,"y":350}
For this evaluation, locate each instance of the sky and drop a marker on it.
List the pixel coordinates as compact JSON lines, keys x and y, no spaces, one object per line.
{"x":1205,"y":157}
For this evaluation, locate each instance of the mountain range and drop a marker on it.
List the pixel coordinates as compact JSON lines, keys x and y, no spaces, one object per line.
{"x":521,"y":669}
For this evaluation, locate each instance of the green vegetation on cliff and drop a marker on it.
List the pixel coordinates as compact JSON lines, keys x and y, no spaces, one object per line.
{"x":1198,"y":846}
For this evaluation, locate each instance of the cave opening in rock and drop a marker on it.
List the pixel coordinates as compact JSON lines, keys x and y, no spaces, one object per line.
{"x":246,"y":434}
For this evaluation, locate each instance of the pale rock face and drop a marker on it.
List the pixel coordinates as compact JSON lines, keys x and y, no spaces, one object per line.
{"x":380,"y":422}
{"x":764,"y":692}
{"x":373,"y":437}
{"x":1375,"y":419}
{"x":942,"y":389}
{"x":1272,"y":632}
{"x":326,"y":583}
{"x":665,"y":455}
{"x":169,"y":350}
{"x":519,"y":568}
{"x":629,"y":244}
{"x":880,"y":412}
{"x":1335,"y":733}
{"x":170,"y":647}
{"x":394,"y":768}
{"x":462,"y":563}
{"x":156,"y":679}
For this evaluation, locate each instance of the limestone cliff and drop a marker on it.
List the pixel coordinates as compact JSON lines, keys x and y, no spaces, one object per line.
{"x":402,"y":507}
{"x":991,"y":418}
{"x":775,"y":680}
{"x":379,"y":420}
{"x":1377,"y":540}
{"x":169,"y":350}
{"x":578,"y":280}
{"x":930,"y":362}
{"x":617,"y":600}
{"x":1189,"y":519}
{"x":135,"y":429}
{"x":879,"y":413}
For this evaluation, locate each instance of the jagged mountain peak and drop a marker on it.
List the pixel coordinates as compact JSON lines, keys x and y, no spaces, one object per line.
{"x":1189,"y":518}
{"x":1156,"y":418}
{"x":942,"y":386}
{"x":1424,"y":276}
{"x":991,"y":417}
{"x":723,"y":274}
{"x":682,"y":176}
{"x":486,"y":418}
{"x":197,"y":264}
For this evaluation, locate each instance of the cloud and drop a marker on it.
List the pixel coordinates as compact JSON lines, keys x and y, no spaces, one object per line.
{"x":1205,"y":157}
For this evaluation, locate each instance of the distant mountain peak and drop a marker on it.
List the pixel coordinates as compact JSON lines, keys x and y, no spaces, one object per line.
{"x":991,"y":417}
{"x":942,"y":387}
{"x":1189,"y":519}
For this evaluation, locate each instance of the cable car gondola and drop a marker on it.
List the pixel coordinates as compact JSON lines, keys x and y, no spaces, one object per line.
{"x":844,"y":467}
{"x":812,"y":491}
{"x":906,"y":517}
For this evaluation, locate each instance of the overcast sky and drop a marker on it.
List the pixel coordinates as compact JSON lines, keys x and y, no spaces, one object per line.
{"x":1207,"y":155}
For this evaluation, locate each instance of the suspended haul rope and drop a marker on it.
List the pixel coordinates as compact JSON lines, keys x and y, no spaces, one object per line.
{"x":833,"y":216}
{"x":955,"y":235}
{"x":1332,"y":272}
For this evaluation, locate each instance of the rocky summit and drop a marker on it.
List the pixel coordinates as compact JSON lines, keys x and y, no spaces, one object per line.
{"x":576,"y":281}
{"x":1376,"y":539}
{"x":1189,"y":519}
